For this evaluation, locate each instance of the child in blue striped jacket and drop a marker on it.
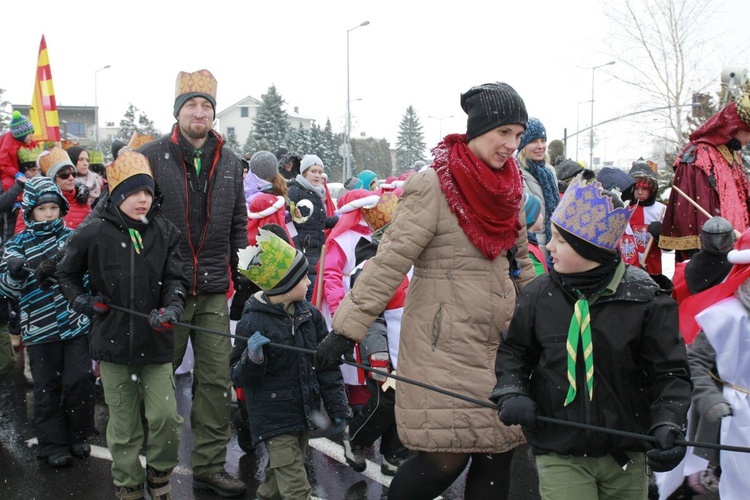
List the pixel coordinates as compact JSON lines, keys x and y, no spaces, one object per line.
{"x":55,"y":336}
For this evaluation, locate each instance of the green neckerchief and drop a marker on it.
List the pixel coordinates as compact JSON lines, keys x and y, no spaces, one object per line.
{"x":579,"y":332}
{"x":135,"y":237}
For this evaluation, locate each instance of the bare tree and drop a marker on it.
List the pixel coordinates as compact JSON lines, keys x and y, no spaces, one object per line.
{"x":663,"y":45}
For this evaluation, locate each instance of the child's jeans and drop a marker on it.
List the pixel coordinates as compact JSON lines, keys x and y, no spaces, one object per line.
{"x":286,"y":476}
{"x":128,"y":389}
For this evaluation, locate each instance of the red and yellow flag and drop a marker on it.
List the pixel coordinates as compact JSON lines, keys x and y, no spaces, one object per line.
{"x":43,"y":112}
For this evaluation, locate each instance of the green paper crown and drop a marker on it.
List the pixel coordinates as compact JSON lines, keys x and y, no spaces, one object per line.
{"x":29,"y":155}
{"x":266,"y":263}
{"x":96,"y":158}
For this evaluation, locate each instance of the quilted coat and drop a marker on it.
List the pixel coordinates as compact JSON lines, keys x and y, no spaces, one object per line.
{"x":456,"y":308}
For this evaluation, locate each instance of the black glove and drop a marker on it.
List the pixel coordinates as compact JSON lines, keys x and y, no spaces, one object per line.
{"x":329,"y":351}
{"x":45,"y":274}
{"x":17,"y":268}
{"x":654,"y":229}
{"x":91,"y":305}
{"x":666,"y":456}
{"x":82,"y":193}
{"x":238,"y":303}
{"x":518,"y":410}
{"x":162,"y":320}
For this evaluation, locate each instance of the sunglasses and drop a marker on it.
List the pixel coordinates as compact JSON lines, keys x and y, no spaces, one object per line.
{"x":65,"y":175}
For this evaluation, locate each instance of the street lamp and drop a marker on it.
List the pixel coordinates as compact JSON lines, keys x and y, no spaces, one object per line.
{"x":348,"y":125}
{"x":591,"y":130}
{"x":440,"y":123}
{"x":96,"y":108}
{"x":578,"y":127}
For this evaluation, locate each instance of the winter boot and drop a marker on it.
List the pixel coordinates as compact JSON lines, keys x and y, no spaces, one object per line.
{"x":126,"y":493}
{"x":354,"y":454}
{"x":390,"y":465}
{"x":158,"y":483}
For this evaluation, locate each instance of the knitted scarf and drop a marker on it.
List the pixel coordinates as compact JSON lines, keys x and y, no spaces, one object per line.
{"x":546,"y":180}
{"x":485,"y":201}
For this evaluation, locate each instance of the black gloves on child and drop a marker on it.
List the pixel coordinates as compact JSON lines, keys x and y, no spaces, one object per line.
{"x":666,"y":456}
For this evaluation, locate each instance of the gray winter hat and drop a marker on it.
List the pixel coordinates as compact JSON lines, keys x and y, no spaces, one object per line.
{"x":492,"y":105}
{"x":264,"y":164}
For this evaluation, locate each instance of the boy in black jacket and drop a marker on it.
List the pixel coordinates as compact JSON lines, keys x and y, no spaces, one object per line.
{"x":133,"y":258}
{"x":594,"y":342}
{"x":283,"y":390}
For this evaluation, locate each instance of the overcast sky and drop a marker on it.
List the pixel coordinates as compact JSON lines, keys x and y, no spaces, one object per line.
{"x":412,"y":53}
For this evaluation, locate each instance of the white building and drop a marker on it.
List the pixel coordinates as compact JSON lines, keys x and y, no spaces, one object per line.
{"x":238,"y":118}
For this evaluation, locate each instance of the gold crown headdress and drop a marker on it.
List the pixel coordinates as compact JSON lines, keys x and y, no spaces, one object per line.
{"x":127,"y":164}
{"x":381,"y":214}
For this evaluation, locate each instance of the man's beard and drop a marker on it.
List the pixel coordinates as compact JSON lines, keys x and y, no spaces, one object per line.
{"x":192,"y":133}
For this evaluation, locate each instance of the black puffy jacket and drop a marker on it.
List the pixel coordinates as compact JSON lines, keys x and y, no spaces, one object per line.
{"x":143,"y":281}
{"x":209,"y":209}
{"x":641,"y":373}
{"x":283,"y":393}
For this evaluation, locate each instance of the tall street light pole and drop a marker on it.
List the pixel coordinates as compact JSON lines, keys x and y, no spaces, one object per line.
{"x":578,"y":127}
{"x":348,"y":126}
{"x":440,"y":123}
{"x":96,"y":107}
{"x":591,"y":130}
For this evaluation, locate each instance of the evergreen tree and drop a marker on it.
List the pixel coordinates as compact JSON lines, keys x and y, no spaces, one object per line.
{"x":135,"y":120}
{"x":251,"y":145}
{"x":297,"y":140}
{"x":410,"y":145}
{"x":232,"y":142}
{"x":372,"y":154}
{"x":329,"y":152}
{"x":4,"y":116}
{"x":271,"y":124}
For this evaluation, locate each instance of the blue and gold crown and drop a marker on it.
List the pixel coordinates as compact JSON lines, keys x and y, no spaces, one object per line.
{"x":588,"y":213}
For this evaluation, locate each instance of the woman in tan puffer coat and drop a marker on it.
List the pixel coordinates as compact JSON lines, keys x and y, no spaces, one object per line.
{"x":458,"y":224}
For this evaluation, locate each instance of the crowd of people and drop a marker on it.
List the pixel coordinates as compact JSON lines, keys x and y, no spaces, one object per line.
{"x":495,"y":272}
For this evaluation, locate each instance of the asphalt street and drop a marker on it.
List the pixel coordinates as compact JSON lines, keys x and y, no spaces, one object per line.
{"x":22,"y":476}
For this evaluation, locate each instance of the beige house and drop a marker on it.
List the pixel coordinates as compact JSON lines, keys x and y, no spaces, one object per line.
{"x":239,"y":117}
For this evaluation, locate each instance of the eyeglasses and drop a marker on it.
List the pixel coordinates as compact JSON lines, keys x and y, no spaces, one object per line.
{"x":65,"y":175}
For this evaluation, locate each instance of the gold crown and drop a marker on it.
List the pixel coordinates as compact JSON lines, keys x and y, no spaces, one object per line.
{"x":201,"y":81}
{"x":67,"y":144}
{"x":266,"y":263}
{"x":743,"y":107}
{"x":53,"y":158}
{"x":138,"y":140}
{"x":127,"y":164}
{"x":380,"y":215}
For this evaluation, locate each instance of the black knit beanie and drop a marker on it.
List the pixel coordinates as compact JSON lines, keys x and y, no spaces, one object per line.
{"x":131,"y":185}
{"x":492,"y":105}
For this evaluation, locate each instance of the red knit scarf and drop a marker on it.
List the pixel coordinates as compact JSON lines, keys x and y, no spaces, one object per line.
{"x":485,"y":201}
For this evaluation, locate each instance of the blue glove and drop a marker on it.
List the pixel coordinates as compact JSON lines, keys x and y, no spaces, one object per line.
{"x":255,"y":345}
{"x":339,"y":424}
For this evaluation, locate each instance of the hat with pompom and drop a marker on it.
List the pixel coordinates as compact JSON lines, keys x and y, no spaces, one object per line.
{"x":20,"y":126}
